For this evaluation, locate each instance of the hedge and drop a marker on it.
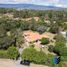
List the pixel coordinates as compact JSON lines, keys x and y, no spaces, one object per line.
{"x":3,"y":54}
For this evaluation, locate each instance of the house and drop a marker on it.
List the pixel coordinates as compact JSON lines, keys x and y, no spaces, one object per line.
{"x":29,"y":19}
{"x":47,"y":21}
{"x":31,"y":36}
{"x":64,"y":33}
{"x":65,"y":22}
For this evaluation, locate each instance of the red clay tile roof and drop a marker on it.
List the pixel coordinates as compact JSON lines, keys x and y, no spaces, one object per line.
{"x":33,"y":36}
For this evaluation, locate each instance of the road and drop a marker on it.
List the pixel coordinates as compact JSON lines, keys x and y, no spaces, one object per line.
{"x":10,"y":63}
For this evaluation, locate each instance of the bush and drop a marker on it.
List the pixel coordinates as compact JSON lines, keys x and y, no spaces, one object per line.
{"x":54,"y":28}
{"x":50,"y":61}
{"x":60,"y":38}
{"x":51,"y":48}
{"x":34,"y":56}
{"x":40,"y":28}
{"x":44,"y":41}
{"x":29,"y":54}
{"x":3,"y":54}
{"x":58,"y":47}
{"x":63,"y":51}
{"x":40,"y":58}
{"x":12,"y":52}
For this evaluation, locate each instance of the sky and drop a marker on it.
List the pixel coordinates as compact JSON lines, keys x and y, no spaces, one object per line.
{"x":59,"y":3}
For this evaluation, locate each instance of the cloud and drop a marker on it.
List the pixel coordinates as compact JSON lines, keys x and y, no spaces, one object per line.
{"x":21,"y":1}
{"x":28,"y":1}
{"x":38,"y":2}
{"x":47,"y":1}
{"x":15,"y":1}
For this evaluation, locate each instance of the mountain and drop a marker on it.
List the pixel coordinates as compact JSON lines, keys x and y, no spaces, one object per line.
{"x":30,"y":6}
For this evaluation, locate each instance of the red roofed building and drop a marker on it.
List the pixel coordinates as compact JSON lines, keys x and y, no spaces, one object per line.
{"x":65,"y":22}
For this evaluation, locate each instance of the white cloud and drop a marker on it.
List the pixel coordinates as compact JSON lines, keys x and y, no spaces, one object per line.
{"x":59,"y":3}
{"x":15,"y":1}
{"x":21,"y":1}
{"x":46,"y":2}
{"x":3,"y":1}
{"x":28,"y":1}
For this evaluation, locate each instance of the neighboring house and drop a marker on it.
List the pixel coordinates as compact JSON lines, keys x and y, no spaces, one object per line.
{"x":29,"y":19}
{"x":64,"y":33}
{"x":47,"y":21}
{"x":65,"y":22}
{"x":66,"y":44}
{"x":10,"y":15}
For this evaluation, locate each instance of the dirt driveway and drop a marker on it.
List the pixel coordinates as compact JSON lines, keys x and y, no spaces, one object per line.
{"x":11,"y":63}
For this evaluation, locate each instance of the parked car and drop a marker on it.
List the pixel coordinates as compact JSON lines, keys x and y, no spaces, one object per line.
{"x":25,"y":62}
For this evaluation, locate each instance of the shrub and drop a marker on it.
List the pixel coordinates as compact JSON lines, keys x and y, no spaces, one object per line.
{"x":51,"y":48}
{"x":34,"y":56}
{"x":60,"y":38}
{"x":29,"y":54}
{"x":58,"y":47}
{"x":12,"y":52}
{"x":44,"y":41}
{"x":54,"y":28}
{"x":41,"y":28}
{"x":40,"y":58}
{"x":50,"y":60}
{"x":63,"y":51}
{"x":3,"y":54}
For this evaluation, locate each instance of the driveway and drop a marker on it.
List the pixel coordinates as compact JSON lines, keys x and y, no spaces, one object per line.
{"x":11,"y":63}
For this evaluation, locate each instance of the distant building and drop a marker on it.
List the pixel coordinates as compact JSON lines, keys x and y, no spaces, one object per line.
{"x":65,"y":22}
{"x":64,"y":33}
{"x":47,"y":21}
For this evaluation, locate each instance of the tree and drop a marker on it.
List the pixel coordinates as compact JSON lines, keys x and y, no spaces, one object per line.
{"x":65,"y":26}
{"x":54,"y":28}
{"x":34,"y":56}
{"x":58,"y":47}
{"x":60,"y":38}
{"x":63,"y":51}
{"x":3,"y":54}
{"x":51,"y":48}
{"x":32,"y":24}
{"x":24,"y":25}
{"x":40,"y":58}
{"x":50,"y":60}
{"x":19,"y":38}
{"x":12,"y":52}
{"x":44,"y":41}
{"x":29,"y":54}
{"x":41,"y":29}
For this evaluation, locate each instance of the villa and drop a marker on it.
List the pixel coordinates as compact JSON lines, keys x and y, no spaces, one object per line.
{"x":31,"y":36}
{"x":65,"y":22}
